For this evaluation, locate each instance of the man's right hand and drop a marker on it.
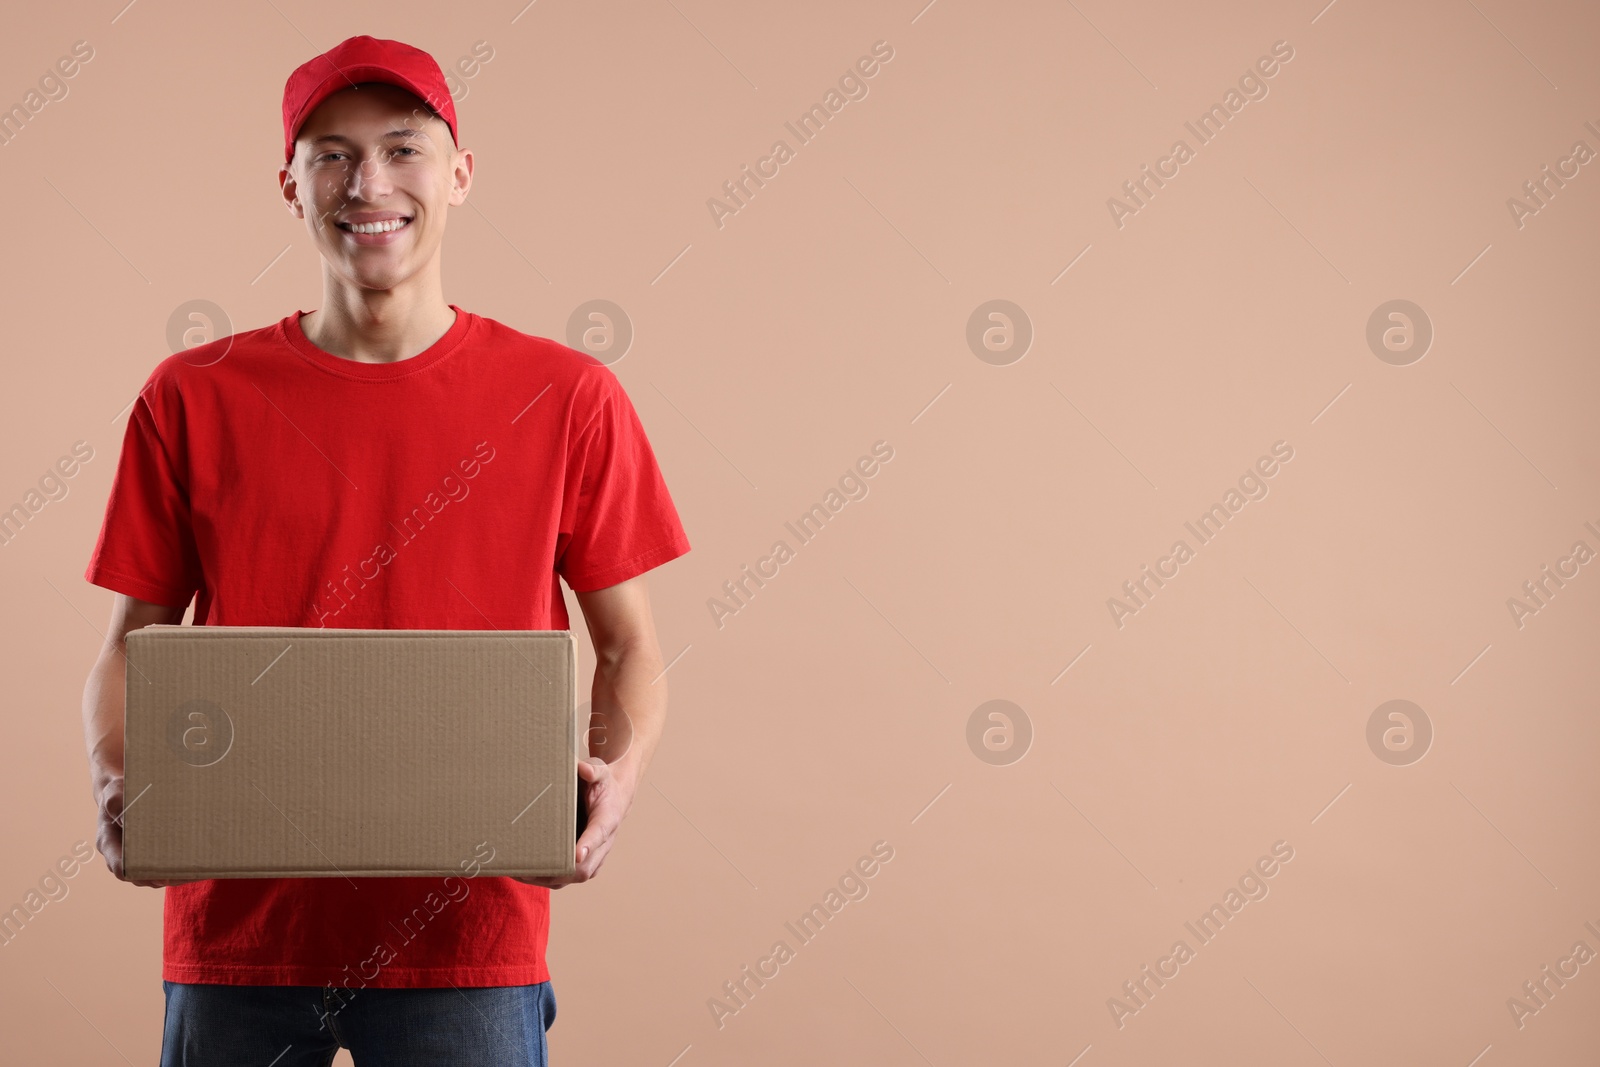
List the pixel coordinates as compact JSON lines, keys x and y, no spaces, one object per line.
{"x":102,"y":721}
{"x":109,"y":839}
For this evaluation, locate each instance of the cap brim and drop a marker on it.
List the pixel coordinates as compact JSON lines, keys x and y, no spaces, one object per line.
{"x":350,"y":78}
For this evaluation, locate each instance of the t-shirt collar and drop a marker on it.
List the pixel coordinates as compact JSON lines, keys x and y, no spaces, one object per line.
{"x":296,"y":338}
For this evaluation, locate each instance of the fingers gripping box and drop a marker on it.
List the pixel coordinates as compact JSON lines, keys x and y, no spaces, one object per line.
{"x":271,"y":751}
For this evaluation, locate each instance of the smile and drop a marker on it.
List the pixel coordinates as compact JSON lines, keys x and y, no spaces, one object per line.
{"x":387,"y":226}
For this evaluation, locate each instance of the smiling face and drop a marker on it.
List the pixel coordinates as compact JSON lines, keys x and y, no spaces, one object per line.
{"x":373,"y":173}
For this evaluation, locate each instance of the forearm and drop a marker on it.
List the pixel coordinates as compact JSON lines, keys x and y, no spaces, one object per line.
{"x":102,"y":719}
{"x":628,"y":709}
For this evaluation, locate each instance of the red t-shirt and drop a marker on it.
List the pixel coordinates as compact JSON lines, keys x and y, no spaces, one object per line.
{"x":286,"y":486}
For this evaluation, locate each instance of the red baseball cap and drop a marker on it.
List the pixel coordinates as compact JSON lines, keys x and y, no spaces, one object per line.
{"x":363,"y":59}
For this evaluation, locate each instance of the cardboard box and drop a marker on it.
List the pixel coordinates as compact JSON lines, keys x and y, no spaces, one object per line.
{"x":267,"y":751}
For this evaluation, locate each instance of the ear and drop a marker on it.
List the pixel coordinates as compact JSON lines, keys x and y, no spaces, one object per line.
{"x":461,"y":178}
{"x":290,"y":188}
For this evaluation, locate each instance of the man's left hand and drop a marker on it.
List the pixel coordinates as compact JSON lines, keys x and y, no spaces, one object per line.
{"x":609,"y":792}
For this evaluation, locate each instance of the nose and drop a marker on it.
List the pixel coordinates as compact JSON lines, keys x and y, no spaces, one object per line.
{"x":369,"y":180}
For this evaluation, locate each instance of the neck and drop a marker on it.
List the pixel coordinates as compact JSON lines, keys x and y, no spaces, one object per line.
{"x":377,"y":326}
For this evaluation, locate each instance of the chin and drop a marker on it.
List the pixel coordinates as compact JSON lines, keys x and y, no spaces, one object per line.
{"x":375,"y":282}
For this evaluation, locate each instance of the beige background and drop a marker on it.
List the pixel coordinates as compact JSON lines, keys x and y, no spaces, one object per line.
{"x":831,"y":312}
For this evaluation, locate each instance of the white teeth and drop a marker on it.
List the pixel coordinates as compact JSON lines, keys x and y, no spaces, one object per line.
{"x":376,"y":227}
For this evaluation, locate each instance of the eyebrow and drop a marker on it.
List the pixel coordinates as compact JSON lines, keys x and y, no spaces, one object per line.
{"x":404,"y":131}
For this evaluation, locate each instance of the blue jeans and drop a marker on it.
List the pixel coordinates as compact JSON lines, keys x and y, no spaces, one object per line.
{"x":304,"y":1026}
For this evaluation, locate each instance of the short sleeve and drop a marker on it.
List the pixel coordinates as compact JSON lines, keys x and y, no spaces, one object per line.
{"x":146,"y":546}
{"x":617,"y":518}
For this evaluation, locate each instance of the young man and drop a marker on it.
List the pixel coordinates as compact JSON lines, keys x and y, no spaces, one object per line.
{"x":389,"y":461}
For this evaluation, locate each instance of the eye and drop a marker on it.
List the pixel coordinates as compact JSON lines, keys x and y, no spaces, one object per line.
{"x":408,"y":148}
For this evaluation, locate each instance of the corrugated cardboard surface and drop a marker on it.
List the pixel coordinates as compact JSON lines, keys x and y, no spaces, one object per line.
{"x":290,"y":752}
